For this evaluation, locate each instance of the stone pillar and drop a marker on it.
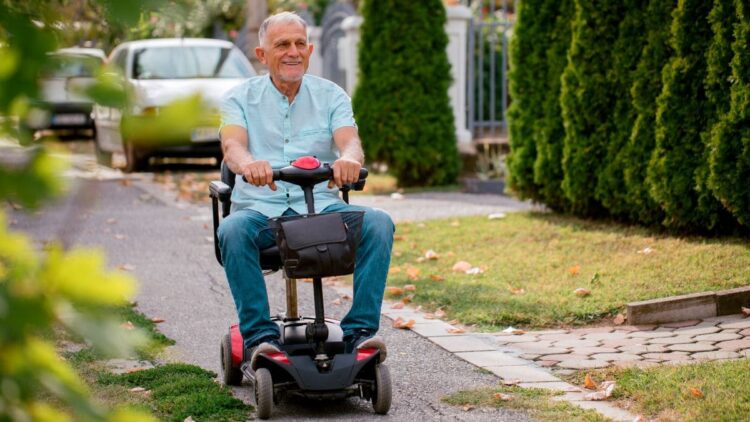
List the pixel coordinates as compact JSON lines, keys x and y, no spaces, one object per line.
{"x":457,"y":29}
{"x":257,"y":12}
{"x":348,"y":46}
{"x":316,"y":60}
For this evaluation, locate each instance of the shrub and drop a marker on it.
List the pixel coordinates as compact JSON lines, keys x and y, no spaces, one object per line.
{"x":646,"y":87}
{"x":730,"y":142}
{"x":588,"y":98}
{"x":610,"y":189}
{"x":675,"y":171}
{"x":401,"y":101}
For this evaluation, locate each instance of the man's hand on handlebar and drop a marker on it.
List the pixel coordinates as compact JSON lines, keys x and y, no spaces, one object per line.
{"x":259,"y":173}
{"x":345,"y":171}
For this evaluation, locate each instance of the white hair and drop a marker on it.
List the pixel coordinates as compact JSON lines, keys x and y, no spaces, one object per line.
{"x":282,"y":17}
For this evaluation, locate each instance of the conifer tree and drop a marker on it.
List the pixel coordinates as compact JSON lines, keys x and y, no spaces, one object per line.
{"x":674,"y":174}
{"x":730,"y":152}
{"x":627,"y":49}
{"x":587,"y":99}
{"x":401,"y":102}
{"x":646,"y":87}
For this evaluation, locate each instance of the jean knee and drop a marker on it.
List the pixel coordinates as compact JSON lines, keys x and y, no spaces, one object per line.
{"x":379,"y":223}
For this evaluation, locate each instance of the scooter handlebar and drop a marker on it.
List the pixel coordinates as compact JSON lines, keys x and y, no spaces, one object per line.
{"x":305,"y":177}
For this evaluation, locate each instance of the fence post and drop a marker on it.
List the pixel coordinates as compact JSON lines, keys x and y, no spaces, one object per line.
{"x":456,"y":28}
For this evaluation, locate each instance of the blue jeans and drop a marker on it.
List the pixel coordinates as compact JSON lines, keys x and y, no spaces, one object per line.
{"x":242,"y":236}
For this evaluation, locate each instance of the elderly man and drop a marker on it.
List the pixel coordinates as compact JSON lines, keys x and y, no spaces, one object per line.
{"x":267,"y":122}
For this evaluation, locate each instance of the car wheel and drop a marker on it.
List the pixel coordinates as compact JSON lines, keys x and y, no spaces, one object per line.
{"x":135,"y":160}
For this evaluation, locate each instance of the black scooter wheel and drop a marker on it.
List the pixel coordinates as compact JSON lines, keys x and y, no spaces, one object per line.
{"x":263,"y":393}
{"x":230,"y":374}
{"x":381,"y":398}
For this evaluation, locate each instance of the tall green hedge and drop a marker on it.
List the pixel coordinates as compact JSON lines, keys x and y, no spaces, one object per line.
{"x":730,"y":152}
{"x":646,"y":87}
{"x":527,"y":51}
{"x":588,"y":99}
{"x":548,"y":165}
{"x":611,"y":190}
{"x":675,"y":170}
{"x":401,"y":102}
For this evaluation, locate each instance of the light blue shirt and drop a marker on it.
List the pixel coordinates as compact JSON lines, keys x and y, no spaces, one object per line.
{"x":280,"y":132}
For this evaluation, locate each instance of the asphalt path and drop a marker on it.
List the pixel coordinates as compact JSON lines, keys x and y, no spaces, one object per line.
{"x":168,"y":246}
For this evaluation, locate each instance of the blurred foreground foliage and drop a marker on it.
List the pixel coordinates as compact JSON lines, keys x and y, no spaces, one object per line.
{"x":44,"y":291}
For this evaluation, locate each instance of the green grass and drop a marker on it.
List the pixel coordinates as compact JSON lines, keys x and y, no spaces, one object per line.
{"x":665,"y":393}
{"x":175,"y":391}
{"x":179,"y":390}
{"x":537,"y":402}
{"x":536,"y":252}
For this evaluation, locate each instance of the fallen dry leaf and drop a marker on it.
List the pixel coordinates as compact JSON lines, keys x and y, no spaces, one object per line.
{"x":125,"y":182}
{"x":410,"y":288}
{"x":474,"y":270}
{"x":439,"y":313}
{"x":413,"y":273}
{"x":306,"y":280}
{"x":453,"y":322}
{"x":128,"y":325}
{"x":456,"y":330}
{"x":398,"y":237}
{"x":514,"y":331}
{"x":645,"y":251}
{"x":137,"y":390}
{"x":419,"y":309}
{"x":111,"y":220}
{"x":346,"y":297}
{"x":436,"y":277}
{"x":605,"y":391}
{"x":336,"y":301}
{"x":188,"y":419}
{"x":467,"y":407}
{"x":138,"y":369}
{"x":397,"y":253}
{"x":589,"y":383}
{"x":502,"y":397}
{"x":496,"y":216}
{"x":517,"y":291}
{"x":397,"y":305}
{"x":395,"y":291}
{"x":394,"y":270}
{"x":511,"y":382}
{"x":420,"y":259}
{"x":581,"y":292}
{"x":126,"y":267}
{"x":639,"y":418}
{"x":430,"y":254}
{"x":461,"y":267}
{"x":402,"y":324}
{"x":695,"y":392}
{"x":574,"y":270}
{"x":745,"y":310}
{"x":157,"y":320}
{"x":406,"y":300}
{"x":619,"y":319}
{"x":455,"y":223}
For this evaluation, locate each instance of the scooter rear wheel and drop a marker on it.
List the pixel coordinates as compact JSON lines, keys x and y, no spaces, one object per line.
{"x":263,"y":393}
{"x":381,"y":398}
{"x":230,"y":374}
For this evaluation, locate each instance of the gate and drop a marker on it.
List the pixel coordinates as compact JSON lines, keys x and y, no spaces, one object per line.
{"x":487,"y":71}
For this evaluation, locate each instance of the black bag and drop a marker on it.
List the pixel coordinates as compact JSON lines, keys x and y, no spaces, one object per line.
{"x":318,"y":245}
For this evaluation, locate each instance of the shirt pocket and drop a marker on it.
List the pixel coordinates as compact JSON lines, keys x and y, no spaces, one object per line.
{"x":317,"y":142}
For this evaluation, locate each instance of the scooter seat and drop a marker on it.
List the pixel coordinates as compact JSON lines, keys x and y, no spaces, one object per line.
{"x":270,"y":259}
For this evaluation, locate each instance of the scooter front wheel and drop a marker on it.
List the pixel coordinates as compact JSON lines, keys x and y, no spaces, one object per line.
{"x":381,"y":398}
{"x":263,"y":393}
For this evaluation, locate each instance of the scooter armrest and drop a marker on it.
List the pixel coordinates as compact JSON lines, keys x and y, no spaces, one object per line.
{"x":219,"y":190}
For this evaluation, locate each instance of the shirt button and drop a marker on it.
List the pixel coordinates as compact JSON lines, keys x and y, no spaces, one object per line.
{"x":286,"y":141}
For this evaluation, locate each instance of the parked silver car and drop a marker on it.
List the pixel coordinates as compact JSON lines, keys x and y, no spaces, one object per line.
{"x":158,"y":72}
{"x":64,"y":104}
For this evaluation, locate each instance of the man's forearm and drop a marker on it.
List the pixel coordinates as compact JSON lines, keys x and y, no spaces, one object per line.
{"x":352,"y":150}
{"x":235,"y":156}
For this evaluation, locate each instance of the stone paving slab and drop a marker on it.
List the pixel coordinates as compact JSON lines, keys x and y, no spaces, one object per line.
{"x":464,"y":344}
{"x":522,"y":373}
{"x":494,"y":358}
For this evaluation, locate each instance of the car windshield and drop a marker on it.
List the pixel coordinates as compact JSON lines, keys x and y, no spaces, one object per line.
{"x":189,"y":62}
{"x":73,"y":66}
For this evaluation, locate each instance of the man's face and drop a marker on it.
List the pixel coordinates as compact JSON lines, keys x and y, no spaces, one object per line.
{"x":285,"y":51}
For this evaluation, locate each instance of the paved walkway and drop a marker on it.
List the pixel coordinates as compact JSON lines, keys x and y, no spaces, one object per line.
{"x":532,"y":359}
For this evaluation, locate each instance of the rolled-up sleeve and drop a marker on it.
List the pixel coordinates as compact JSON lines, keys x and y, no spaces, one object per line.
{"x":232,"y":112}
{"x":342,"y":114}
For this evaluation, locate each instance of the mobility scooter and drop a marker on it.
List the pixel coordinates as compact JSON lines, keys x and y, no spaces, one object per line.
{"x":313,"y":361}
